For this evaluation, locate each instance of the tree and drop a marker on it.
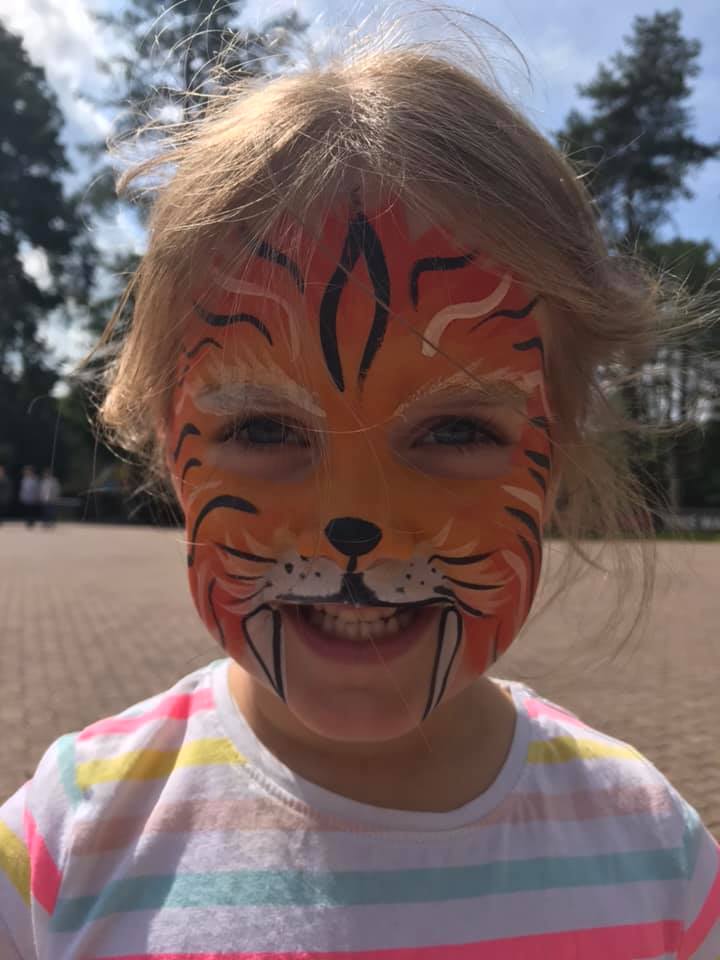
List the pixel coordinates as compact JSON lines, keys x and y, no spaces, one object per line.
{"x":37,"y":221}
{"x":637,"y":139}
{"x":637,"y":145}
{"x":168,"y":59}
{"x":164,"y":62}
{"x":34,"y":213}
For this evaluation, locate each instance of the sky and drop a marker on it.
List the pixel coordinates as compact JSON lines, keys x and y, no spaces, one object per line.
{"x":563,"y":46}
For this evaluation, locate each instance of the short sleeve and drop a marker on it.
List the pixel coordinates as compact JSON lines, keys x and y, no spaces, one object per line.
{"x":35,"y":825}
{"x":15,"y":916}
{"x":701,"y":938}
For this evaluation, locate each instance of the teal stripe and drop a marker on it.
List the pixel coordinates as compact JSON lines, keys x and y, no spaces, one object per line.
{"x":693,"y":836}
{"x":66,"y":763}
{"x":291,"y":888}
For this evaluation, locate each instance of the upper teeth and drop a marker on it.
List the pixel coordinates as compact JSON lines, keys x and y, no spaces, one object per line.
{"x":359,"y":614}
{"x":358,"y":624}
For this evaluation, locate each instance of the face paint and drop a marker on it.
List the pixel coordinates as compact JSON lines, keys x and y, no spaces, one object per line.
{"x":369,"y":429}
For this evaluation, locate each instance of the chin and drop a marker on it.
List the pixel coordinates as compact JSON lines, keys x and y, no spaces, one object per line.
{"x":357,"y":716}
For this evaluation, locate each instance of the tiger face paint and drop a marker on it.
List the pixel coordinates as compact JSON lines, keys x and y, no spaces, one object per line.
{"x":359,"y":438}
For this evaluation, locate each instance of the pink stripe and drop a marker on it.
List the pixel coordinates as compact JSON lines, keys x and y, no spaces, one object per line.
{"x":93,"y":836}
{"x":178,"y":707}
{"x":45,"y":878}
{"x":705,"y":920}
{"x":536,"y":708}
{"x":631,"y":942}
{"x":580,"y":805}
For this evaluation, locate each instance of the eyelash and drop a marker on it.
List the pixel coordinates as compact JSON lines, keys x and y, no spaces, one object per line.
{"x":231,"y":433}
{"x":487,"y":434}
{"x":490,"y":433}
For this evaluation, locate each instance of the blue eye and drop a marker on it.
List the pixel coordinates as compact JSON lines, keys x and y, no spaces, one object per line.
{"x":264,"y":432}
{"x":461,"y":432}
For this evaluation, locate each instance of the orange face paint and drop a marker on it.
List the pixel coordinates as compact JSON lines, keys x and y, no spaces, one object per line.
{"x":382,"y":354}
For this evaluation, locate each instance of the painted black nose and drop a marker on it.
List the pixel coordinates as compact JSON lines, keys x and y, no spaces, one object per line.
{"x":352,"y":536}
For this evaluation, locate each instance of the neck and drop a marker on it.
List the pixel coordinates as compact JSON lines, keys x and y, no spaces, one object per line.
{"x":445,"y":762}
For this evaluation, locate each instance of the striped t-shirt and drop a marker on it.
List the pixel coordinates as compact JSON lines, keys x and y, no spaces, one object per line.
{"x":170,"y":832}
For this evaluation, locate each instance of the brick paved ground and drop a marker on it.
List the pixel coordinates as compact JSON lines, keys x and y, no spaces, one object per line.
{"x":93,"y":619}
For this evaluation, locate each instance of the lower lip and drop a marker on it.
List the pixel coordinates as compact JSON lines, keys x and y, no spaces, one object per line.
{"x":377,"y":650}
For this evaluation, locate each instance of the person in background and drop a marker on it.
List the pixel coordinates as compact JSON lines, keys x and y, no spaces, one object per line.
{"x":29,"y":495}
{"x":5,"y":493}
{"x":49,"y":493}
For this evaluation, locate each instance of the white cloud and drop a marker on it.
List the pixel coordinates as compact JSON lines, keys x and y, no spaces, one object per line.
{"x":62,"y":37}
{"x":563,"y":41}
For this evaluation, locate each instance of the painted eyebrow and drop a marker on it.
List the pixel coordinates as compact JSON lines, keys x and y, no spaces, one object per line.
{"x":467,"y":389}
{"x":232,"y":397}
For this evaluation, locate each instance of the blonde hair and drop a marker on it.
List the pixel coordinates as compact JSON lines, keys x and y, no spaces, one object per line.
{"x":413,"y":124}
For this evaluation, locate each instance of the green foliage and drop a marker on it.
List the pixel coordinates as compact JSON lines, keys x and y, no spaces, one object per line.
{"x":36,"y":218}
{"x":637,"y":140}
{"x":165,"y":60}
{"x":637,"y":149}
{"x":34,"y":213}
{"x":170,"y":58}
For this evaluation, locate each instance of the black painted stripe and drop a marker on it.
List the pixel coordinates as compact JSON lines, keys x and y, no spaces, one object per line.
{"x":458,"y":638}
{"x":267,"y":252}
{"x":360,"y":239}
{"x":192,"y":462}
{"x":534,"y":343}
{"x":468,"y":609}
{"x":223,"y":502}
{"x":494,"y":654}
{"x":276,"y":682}
{"x":472,"y":586}
{"x":461,"y":561}
{"x":529,"y":522}
{"x":232,"y":319}
{"x":509,"y":314}
{"x":538,"y":478}
{"x":432,"y":699}
{"x":205,"y":342}
{"x":434,"y":263}
{"x":327,"y":314}
{"x":539,"y":458}
{"x":211,"y":589}
{"x":542,"y":423}
{"x":451,"y":595}
{"x":244,"y":555}
{"x":277,"y":653}
{"x":188,"y":430}
{"x":531,"y":560}
{"x":380,"y":279}
{"x":436,"y":661}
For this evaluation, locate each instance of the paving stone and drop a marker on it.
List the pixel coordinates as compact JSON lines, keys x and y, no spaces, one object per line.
{"x":94,"y":618}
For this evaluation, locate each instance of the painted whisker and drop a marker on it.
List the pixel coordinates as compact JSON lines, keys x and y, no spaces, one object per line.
{"x":474,"y":586}
{"x":447,"y":592}
{"x":243,"y":554}
{"x":461,"y":561}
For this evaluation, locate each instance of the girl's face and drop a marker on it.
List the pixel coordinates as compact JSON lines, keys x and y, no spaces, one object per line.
{"x":361,"y":449}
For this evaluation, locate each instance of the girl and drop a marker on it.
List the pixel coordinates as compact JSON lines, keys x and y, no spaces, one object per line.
{"x":366,"y":344}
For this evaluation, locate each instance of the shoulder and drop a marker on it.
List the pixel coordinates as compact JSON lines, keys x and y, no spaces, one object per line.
{"x":606,"y":775}
{"x":136,"y":750}
{"x":87,"y":778}
{"x":603,"y":797}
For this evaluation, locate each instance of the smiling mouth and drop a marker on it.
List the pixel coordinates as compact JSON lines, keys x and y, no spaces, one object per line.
{"x":359,"y":624}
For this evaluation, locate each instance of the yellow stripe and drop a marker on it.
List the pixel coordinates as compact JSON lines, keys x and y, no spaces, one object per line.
{"x":153,"y":764}
{"x":564,"y":749}
{"x":15,"y":861}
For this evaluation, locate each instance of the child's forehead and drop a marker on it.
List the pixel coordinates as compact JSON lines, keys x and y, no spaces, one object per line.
{"x":367,"y":305}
